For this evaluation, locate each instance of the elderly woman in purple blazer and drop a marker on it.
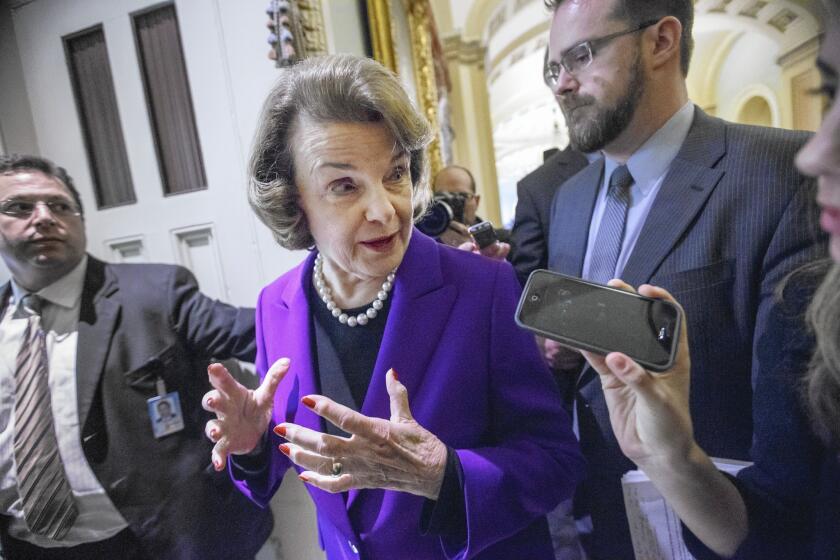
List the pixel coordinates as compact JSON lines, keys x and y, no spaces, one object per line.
{"x":422,"y":420}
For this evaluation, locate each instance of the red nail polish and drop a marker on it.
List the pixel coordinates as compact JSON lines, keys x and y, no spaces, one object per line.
{"x":280,"y":431}
{"x":303,"y":478}
{"x":308,"y":402}
{"x":396,"y":377}
{"x":284,"y":449}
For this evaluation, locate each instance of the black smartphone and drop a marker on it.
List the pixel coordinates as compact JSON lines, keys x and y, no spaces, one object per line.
{"x":483,"y":234}
{"x":600,"y":319}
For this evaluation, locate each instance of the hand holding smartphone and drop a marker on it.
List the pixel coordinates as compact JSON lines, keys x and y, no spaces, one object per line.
{"x":600,"y":319}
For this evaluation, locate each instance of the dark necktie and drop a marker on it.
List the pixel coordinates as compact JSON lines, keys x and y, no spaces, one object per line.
{"x":48,"y":504}
{"x":611,"y":231}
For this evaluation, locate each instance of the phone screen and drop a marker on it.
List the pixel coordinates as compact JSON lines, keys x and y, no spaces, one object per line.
{"x":600,"y":319}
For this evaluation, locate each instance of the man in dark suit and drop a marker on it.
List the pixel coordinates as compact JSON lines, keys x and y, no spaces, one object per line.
{"x":714,"y":212}
{"x":534,"y":194}
{"x":89,"y":349}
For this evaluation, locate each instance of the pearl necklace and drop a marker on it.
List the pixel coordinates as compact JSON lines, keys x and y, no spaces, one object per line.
{"x":326,"y":295}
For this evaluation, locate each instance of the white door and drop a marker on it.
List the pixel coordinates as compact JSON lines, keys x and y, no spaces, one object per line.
{"x":212,"y":231}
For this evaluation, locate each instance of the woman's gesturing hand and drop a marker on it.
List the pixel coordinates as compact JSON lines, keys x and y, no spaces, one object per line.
{"x":395,"y":454}
{"x":242,"y":415}
{"x":649,"y":412}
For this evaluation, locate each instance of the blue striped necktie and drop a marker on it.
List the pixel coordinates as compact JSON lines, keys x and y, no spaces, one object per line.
{"x":611,"y":231}
{"x":49,"y":507}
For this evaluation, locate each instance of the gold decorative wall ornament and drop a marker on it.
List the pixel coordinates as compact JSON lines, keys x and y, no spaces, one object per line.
{"x":312,"y":23}
{"x":382,"y":41}
{"x":297,"y":30}
{"x":465,"y":52}
{"x":430,"y":73}
{"x":422,"y":37}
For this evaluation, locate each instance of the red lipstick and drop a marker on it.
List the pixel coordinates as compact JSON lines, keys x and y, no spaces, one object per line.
{"x":830,"y":220}
{"x":380,"y":244}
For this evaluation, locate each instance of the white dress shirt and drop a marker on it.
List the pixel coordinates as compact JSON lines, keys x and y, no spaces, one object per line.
{"x":98,"y":519}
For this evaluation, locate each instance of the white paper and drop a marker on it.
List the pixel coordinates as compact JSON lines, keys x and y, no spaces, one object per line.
{"x":654,"y":527}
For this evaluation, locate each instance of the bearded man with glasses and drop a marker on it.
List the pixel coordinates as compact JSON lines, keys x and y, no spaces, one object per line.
{"x":714,"y":212}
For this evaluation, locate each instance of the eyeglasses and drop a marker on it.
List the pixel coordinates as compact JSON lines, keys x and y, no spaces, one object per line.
{"x":451,"y":194}
{"x":580,"y":56}
{"x":24,"y":208}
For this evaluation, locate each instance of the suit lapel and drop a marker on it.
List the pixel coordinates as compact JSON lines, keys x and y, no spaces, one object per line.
{"x":685,"y":190}
{"x":418,"y":316}
{"x":570,"y":217}
{"x":291,"y":315}
{"x":290,"y":322}
{"x":5,"y":294}
{"x":569,"y":157}
{"x":97,"y":321}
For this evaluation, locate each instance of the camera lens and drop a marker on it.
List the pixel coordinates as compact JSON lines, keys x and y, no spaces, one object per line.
{"x":535,"y":298}
{"x":436,"y":220}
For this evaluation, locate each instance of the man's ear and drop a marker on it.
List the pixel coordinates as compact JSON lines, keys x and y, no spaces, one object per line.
{"x":666,"y":35}
{"x":477,"y":199}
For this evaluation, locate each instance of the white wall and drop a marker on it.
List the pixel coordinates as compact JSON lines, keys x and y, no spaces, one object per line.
{"x":17,"y":131}
{"x":224,"y":47}
{"x":526,"y":118}
{"x":750,"y":68}
{"x":345,"y":24}
{"x":224,"y":44}
{"x":526,"y":121}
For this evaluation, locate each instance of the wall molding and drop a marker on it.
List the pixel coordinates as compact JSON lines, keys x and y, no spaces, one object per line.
{"x":471,"y":53}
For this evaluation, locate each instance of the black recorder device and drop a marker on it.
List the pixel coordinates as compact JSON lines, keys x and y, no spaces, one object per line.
{"x":483,"y":234}
{"x":600,"y":319}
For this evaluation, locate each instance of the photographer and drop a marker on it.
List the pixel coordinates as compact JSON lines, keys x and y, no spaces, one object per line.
{"x":455,"y":192}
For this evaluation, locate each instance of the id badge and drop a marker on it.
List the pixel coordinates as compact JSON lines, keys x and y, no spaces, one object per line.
{"x":165,"y":412}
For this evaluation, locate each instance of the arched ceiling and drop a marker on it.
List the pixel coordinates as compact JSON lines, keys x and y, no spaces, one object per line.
{"x":470,"y":18}
{"x":787,"y":23}
{"x":710,"y":50}
{"x":467,"y":17}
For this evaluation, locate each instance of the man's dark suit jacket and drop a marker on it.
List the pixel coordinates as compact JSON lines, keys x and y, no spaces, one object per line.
{"x":529,"y":237}
{"x":138,"y":323}
{"x":732,"y":219}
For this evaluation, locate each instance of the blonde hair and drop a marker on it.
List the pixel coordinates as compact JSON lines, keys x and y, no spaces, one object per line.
{"x":334,"y":88}
{"x":823,"y":380}
{"x":822,"y":386}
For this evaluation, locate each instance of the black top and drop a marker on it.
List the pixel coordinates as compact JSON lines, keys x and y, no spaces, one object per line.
{"x":778,"y":530}
{"x":355,"y":347}
{"x":791,"y":491}
{"x":345,"y":358}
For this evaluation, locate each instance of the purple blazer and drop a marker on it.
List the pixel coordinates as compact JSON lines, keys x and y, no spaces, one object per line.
{"x":474,"y":379}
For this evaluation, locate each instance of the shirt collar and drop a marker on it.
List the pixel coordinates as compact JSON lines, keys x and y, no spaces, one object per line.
{"x":592,"y":157}
{"x":66,"y":291}
{"x":654,"y":157}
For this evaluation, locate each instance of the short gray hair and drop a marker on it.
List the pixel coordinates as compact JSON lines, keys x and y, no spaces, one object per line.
{"x":334,"y":88}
